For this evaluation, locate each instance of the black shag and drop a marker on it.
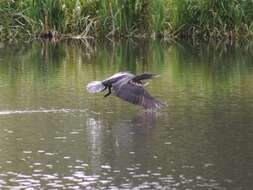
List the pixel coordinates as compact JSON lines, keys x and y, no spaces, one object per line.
{"x":128,"y":87}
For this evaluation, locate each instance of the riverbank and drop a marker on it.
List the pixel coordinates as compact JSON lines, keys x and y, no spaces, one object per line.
{"x":202,"y":20}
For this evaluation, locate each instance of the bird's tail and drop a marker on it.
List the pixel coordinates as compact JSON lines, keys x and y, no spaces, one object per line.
{"x":95,"y":87}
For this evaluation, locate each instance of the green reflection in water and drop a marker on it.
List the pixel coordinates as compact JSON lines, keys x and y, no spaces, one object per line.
{"x":50,"y":125}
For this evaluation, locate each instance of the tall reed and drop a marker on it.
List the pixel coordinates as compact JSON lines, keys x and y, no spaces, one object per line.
{"x":49,"y":13}
{"x":212,"y":18}
{"x":194,"y":19}
{"x":14,"y":22}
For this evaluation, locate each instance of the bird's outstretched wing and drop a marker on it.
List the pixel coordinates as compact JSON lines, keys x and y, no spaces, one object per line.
{"x":136,"y":94}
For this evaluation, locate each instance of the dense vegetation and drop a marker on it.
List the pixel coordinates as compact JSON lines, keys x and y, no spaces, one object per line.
{"x":191,"y":19}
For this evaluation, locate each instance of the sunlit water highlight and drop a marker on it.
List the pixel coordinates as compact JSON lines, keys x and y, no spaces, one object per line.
{"x":55,"y":135}
{"x":9,"y":112}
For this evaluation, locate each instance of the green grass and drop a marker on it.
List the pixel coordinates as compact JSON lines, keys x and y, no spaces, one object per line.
{"x":192,"y":19}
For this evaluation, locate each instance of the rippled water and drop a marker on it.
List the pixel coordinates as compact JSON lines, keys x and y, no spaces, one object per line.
{"x":54,"y":135}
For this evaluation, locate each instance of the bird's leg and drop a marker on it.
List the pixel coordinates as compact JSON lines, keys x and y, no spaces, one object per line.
{"x":109,"y":92}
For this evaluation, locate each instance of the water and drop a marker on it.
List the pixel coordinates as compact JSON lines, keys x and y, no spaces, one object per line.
{"x":55,"y":135}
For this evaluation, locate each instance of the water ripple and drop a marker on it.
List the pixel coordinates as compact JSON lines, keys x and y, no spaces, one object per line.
{"x":62,"y":110}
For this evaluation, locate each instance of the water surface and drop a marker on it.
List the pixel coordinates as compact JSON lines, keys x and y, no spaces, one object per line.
{"x":54,"y":135}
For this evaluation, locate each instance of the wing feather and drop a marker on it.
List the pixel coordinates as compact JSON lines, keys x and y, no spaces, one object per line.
{"x":136,"y":94}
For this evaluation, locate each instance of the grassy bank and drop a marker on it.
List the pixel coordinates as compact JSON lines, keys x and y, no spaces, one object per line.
{"x":190,"y":19}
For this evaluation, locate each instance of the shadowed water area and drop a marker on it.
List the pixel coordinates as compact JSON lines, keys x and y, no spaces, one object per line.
{"x":55,"y":135}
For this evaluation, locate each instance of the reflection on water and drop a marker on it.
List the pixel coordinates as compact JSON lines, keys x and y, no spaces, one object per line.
{"x":54,"y":135}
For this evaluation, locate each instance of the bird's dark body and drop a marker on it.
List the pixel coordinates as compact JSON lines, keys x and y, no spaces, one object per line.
{"x":130,"y":88}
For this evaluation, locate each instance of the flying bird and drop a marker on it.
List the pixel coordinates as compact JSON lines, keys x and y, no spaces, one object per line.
{"x":128,"y":87}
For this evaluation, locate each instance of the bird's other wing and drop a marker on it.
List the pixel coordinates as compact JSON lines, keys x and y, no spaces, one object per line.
{"x":136,"y":94}
{"x":144,"y":76}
